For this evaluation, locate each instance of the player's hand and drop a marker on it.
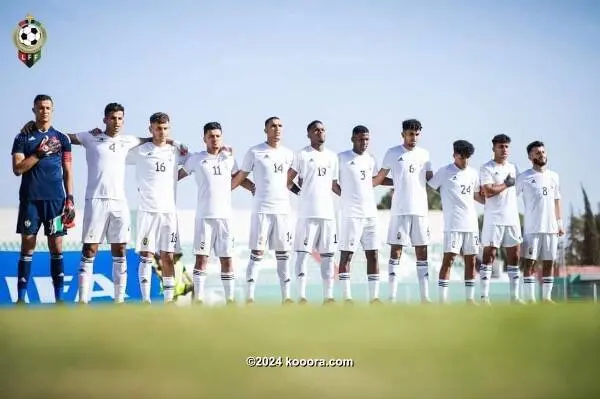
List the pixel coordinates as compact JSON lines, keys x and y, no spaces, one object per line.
{"x":226,"y":150}
{"x":509,"y":181}
{"x":29,"y":127}
{"x":68,"y":216}
{"x":183,"y":150}
{"x":253,"y":189}
{"x":95,"y":131}
{"x":561,"y":232}
{"x":47,"y":147}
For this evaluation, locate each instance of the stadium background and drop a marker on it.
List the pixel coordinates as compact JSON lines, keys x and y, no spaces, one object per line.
{"x":268,"y":291}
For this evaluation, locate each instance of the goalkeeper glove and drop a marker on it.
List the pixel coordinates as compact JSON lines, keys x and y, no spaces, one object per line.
{"x":69,"y":213}
{"x":47,"y":147}
{"x":509,"y":181}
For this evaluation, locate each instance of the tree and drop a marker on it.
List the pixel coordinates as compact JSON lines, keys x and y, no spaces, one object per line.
{"x":575,"y":239}
{"x":591,"y":244}
{"x":434,"y":200}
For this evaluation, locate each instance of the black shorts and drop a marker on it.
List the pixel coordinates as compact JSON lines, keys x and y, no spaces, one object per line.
{"x":34,"y":214}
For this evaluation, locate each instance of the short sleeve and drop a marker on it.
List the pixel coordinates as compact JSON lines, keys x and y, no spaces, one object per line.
{"x":188,"y":165}
{"x":131,"y":141}
{"x":556,"y":187}
{"x":519,"y":183}
{"x":388,"y":160}
{"x":335,"y":168}
{"x":477,"y":184}
{"x":19,"y":144}
{"x":438,"y":177}
{"x":375,"y":166}
{"x":65,"y":142}
{"x":234,"y":167}
{"x":296,"y":163}
{"x":427,"y":163}
{"x":248,"y":162}
{"x":485,"y":176}
{"x":516,"y":171}
{"x":83,"y":138}
{"x":132,"y":156}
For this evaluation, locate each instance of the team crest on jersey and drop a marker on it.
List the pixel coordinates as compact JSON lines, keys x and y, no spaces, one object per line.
{"x":145,"y":241}
{"x":202,"y":246}
{"x":27,"y":223}
{"x":530,"y":250}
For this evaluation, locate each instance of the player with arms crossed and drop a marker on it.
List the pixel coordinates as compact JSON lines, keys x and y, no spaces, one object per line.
{"x":317,"y":170}
{"x":501,"y":224}
{"x":540,"y":188}
{"x":459,"y":188}
{"x":410,"y":167}
{"x":359,"y":212}
{"x":269,"y":227}
{"x":42,"y":157}
{"x":157,"y":171}
{"x":213,"y":169}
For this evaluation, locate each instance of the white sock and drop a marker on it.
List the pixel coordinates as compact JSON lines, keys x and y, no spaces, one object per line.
{"x":470,"y":290}
{"x":168,"y":288}
{"x":423,"y":275}
{"x":144,"y":276}
{"x":283,"y":271}
{"x":547,"y":284}
{"x":86,"y":266}
{"x":199,"y":281}
{"x":251,"y":274}
{"x":327,"y":272}
{"x":529,"y":287}
{"x":228,"y":280}
{"x":485,"y":275}
{"x":301,"y":273}
{"x":513,"y":283}
{"x":345,"y":283}
{"x":373,"y":286}
{"x":120,"y":277}
{"x":443,"y":290}
{"x":393,"y":279}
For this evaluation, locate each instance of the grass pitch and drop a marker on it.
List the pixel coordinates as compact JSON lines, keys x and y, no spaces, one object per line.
{"x":397,"y":352}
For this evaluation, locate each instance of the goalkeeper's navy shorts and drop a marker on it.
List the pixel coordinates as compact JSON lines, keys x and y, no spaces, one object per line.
{"x":34,"y":214}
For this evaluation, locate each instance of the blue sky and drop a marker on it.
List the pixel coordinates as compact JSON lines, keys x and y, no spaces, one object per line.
{"x":466,"y":69}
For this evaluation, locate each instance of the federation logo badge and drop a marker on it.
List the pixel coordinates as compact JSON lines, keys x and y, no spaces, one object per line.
{"x":29,"y":37}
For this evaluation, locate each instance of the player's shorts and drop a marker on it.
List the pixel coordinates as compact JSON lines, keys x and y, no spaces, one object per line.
{"x":34,"y":214}
{"x":497,"y":236}
{"x":543,"y":246}
{"x":408,"y":230}
{"x":213,"y":236}
{"x":156,"y":232}
{"x":359,"y":230}
{"x":457,"y":242}
{"x":106,"y":219}
{"x":270,"y":231}
{"x":316,"y":235}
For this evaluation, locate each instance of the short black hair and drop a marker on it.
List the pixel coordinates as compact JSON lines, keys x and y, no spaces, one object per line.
{"x":360,"y":129}
{"x":159,"y":117}
{"x":312,"y":125}
{"x":534,"y":144}
{"x":113,"y":107}
{"x":501,"y":139}
{"x":42,"y":97}
{"x":463,"y":148}
{"x":212,"y":126}
{"x":270,"y":119}
{"x":411,"y":124}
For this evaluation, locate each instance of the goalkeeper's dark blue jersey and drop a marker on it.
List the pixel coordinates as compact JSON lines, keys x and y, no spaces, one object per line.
{"x":45,"y":180}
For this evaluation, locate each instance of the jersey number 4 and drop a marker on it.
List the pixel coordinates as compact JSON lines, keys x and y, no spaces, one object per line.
{"x":113,"y":147}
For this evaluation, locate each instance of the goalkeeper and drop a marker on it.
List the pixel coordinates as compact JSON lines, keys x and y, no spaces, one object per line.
{"x":183,"y":281}
{"x":42,"y":158}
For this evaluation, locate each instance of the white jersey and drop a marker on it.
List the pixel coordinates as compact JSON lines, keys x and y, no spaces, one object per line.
{"x":408,"y":169}
{"x":269,"y":167}
{"x":213,"y":177}
{"x":540,"y":190}
{"x":318,"y":170}
{"x":105,"y":158}
{"x":356,"y":181}
{"x":156,"y":170}
{"x":457,"y":189}
{"x":501,"y":209}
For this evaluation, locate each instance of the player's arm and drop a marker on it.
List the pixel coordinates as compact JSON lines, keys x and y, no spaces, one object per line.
{"x":558,"y":209}
{"x":478,"y":197}
{"x":181,"y":174}
{"x":428,"y":170}
{"x":67,"y":164}
{"x":21,"y":165}
{"x":239,"y":179}
{"x":292,"y":186}
{"x":248,"y":185}
{"x":490,"y":189}
{"x":335,"y":187}
{"x":382,"y":178}
{"x":428,"y":175}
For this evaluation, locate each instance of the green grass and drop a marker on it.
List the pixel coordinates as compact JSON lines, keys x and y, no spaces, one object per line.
{"x":398,"y":352}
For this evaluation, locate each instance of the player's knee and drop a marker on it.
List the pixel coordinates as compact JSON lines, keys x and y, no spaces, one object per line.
{"x":89,"y":250}
{"x":421,"y":252}
{"x":118,"y":249}
{"x":395,"y":251}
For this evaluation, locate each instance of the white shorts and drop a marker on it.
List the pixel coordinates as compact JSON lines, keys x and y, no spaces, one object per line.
{"x":497,"y":236}
{"x":543,"y":246}
{"x":106,"y":219}
{"x":315,"y":235}
{"x":408,"y":230}
{"x":213,"y":236}
{"x":156,"y":232}
{"x":270,"y":231}
{"x":355,"y":230}
{"x":457,"y":242}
